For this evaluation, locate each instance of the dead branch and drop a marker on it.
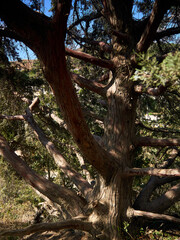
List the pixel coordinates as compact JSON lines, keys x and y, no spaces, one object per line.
{"x":152,"y":172}
{"x":56,"y":226}
{"x":155,"y":142}
{"x":151,"y":215}
{"x":91,"y":59}
{"x":34,"y":103}
{"x":76,"y":178}
{"x":159,"y":9}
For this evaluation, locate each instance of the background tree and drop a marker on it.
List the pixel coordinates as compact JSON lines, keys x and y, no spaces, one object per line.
{"x":101,"y":210}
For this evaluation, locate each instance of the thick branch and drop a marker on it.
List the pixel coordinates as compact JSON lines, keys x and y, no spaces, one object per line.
{"x":153,"y":142}
{"x":89,"y":84}
{"x":152,"y":172}
{"x":155,"y":181}
{"x":165,"y":201}
{"x":167,"y":33}
{"x":12,"y":12}
{"x":76,"y":178}
{"x":159,"y":9}
{"x":10,"y":34}
{"x":150,"y":215}
{"x":91,"y":59}
{"x":55,"y":193}
{"x":56,"y":226}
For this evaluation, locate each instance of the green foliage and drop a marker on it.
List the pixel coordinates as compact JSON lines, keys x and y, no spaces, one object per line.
{"x":151,"y":73}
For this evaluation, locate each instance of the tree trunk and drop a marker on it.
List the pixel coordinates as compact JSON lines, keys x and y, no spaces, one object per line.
{"x":111,"y":202}
{"x":115,"y":195}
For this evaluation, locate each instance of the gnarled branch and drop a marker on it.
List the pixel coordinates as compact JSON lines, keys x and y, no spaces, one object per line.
{"x":105,"y":47}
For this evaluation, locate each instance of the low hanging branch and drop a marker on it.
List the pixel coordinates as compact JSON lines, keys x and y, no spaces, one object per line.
{"x":91,"y":59}
{"x":56,"y":226}
{"x":76,"y":178}
{"x":54,"y":192}
{"x":152,"y":172}
{"x":150,"y":215}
